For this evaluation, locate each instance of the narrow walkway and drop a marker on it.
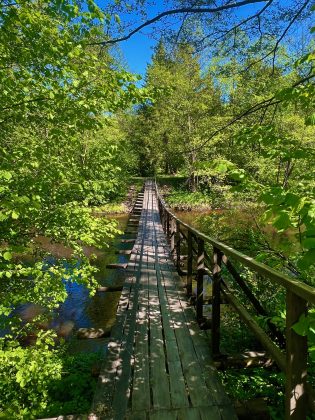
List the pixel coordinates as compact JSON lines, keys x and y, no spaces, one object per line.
{"x":158,"y":364}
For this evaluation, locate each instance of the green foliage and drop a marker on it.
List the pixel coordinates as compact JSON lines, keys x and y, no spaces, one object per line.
{"x":184,"y":200}
{"x":25,"y":377}
{"x":40,"y":381}
{"x":74,"y":391}
{"x":185,"y":99}
{"x":306,"y":327}
{"x":61,"y":152}
{"x":257,"y":383}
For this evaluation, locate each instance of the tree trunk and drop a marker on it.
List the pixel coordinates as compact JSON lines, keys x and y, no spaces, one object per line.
{"x":287,"y":173}
{"x":192,"y":176}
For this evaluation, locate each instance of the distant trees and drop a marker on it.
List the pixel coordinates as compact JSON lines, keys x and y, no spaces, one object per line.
{"x":249,"y":123}
{"x":176,"y":122}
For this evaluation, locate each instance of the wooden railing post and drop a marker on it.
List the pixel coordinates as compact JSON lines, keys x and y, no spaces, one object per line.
{"x":296,"y":360}
{"x":177,"y":245}
{"x":167,"y":225}
{"x":172,"y":236}
{"x":200,"y":273}
{"x":164,"y":218}
{"x":216,"y":301}
{"x":189,"y":263}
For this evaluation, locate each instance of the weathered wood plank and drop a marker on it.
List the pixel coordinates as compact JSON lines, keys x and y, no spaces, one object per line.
{"x":136,"y":415}
{"x":189,"y":414}
{"x":163,"y":415}
{"x":159,"y":361}
{"x":179,"y":396}
{"x":141,"y":388}
{"x":228,"y":413}
{"x":159,"y":376}
{"x":210,"y":413}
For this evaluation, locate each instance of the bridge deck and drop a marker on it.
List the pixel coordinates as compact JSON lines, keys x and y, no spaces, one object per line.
{"x":158,"y":364}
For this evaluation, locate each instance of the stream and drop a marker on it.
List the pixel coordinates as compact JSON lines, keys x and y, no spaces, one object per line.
{"x":80,"y":310}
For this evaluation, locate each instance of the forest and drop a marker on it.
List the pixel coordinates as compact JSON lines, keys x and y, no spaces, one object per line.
{"x":223,"y":117}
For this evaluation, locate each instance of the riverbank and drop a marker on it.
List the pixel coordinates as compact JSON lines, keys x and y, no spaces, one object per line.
{"x":123,"y":204}
{"x":217,"y":196}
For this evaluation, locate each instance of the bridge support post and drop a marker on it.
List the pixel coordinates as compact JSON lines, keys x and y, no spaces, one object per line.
{"x":296,"y":360}
{"x":165,"y":220}
{"x":189,"y":263}
{"x":200,"y":273}
{"x":172,"y":237}
{"x":216,"y":299}
{"x":177,"y":245}
{"x":167,"y":225}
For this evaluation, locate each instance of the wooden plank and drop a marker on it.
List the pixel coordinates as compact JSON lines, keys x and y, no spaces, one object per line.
{"x":102,"y":401}
{"x":210,"y":413}
{"x":179,"y":397}
{"x":163,"y":415}
{"x":189,"y":414}
{"x":198,"y":392}
{"x":136,"y":415}
{"x":140,"y":386}
{"x":159,"y":376}
{"x":228,"y":413}
{"x":201,"y":346}
{"x":122,"y":390}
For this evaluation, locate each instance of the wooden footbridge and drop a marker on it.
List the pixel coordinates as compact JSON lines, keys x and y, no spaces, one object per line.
{"x":160,"y":363}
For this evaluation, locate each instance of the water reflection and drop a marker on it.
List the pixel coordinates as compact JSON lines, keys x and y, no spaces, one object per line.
{"x":80,"y":310}
{"x":98,"y":311}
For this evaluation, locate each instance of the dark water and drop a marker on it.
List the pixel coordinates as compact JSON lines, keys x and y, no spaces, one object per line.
{"x":228,"y":226}
{"x":81,"y":310}
{"x":98,"y":311}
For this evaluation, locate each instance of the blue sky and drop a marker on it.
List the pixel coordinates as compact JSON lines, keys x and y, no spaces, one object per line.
{"x":137,"y":52}
{"x":139,"y":48}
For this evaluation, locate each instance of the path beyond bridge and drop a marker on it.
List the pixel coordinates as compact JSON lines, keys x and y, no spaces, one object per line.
{"x":158,"y":364}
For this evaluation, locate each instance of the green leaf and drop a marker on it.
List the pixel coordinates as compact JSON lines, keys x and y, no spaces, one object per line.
{"x":7,"y":256}
{"x":309,"y":243}
{"x":282,"y":221}
{"x":301,"y":327}
{"x":15,"y":214}
{"x":310,"y":120}
{"x":307,"y":260}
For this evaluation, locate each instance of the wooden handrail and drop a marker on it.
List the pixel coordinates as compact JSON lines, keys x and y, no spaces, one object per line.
{"x":298,"y":296}
{"x":301,"y":289}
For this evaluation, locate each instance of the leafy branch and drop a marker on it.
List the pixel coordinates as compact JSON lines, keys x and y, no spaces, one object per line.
{"x":182,"y":10}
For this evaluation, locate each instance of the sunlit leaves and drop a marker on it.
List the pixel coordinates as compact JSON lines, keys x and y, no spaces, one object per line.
{"x":58,"y":92}
{"x":306,"y":327}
